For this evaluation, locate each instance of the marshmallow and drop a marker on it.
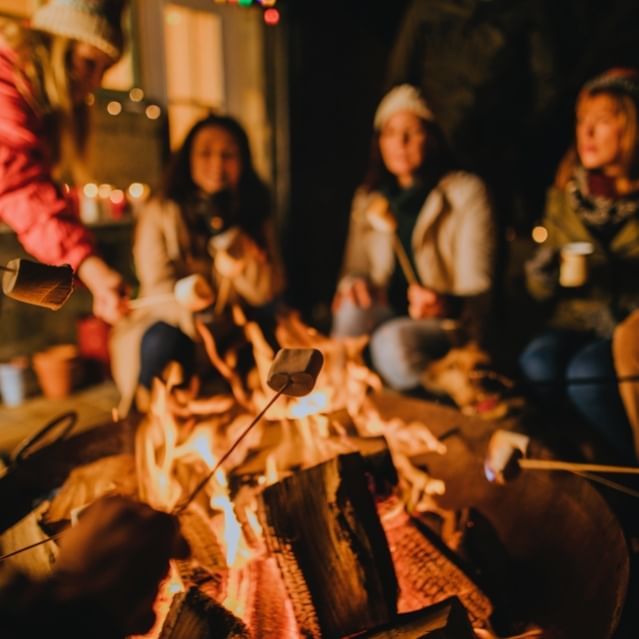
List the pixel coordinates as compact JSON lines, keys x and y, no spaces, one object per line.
{"x":193,"y":292}
{"x":295,"y":370}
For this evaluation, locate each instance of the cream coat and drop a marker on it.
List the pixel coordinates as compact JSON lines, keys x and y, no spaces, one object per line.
{"x":162,"y":256}
{"x":454,"y":239}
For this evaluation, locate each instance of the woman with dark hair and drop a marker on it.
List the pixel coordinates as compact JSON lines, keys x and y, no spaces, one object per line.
{"x":212,"y":217}
{"x":421,"y":243}
{"x":587,"y":270}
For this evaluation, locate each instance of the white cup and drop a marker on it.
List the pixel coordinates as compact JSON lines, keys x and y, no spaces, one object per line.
{"x":573,"y":269}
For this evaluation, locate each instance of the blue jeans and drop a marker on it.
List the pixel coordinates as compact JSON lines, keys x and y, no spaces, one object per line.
{"x":161,"y":344}
{"x":566,"y":364}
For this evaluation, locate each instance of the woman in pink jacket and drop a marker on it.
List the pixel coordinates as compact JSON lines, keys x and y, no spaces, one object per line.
{"x":46,"y":73}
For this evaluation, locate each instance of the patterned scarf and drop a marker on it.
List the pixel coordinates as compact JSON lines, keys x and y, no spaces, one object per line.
{"x":603,"y":213}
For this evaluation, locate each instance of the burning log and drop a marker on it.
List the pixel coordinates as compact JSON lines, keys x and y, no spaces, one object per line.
{"x":193,"y":615}
{"x":206,"y":567}
{"x":426,"y":570}
{"x":445,"y":620}
{"x":322,"y":526}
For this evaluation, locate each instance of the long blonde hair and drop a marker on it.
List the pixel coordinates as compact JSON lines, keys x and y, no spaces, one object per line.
{"x":43,"y":81}
{"x":627,"y":107}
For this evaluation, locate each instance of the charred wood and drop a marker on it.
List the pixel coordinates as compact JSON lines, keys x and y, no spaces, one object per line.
{"x":322,"y":526}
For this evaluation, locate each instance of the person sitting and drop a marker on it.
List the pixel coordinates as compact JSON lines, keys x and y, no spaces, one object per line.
{"x":211,"y":217}
{"x":419,"y":259}
{"x":590,"y":286}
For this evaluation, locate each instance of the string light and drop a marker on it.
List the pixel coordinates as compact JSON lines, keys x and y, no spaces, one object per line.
{"x":136,"y":94}
{"x":90,"y":190}
{"x":114,"y":108}
{"x":136,"y":190}
{"x":153,"y":112}
{"x":539,"y":234}
{"x":271,"y":17}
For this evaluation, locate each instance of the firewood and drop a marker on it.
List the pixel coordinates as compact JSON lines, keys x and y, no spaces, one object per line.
{"x":206,"y":565}
{"x":323,"y":529}
{"x":445,"y":620}
{"x":427,"y":571}
{"x":193,"y":615}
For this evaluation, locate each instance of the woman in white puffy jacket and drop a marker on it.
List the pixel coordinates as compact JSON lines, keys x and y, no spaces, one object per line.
{"x":420,"y":253}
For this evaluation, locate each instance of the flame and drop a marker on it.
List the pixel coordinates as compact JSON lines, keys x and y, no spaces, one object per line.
{"x":316,"y":402}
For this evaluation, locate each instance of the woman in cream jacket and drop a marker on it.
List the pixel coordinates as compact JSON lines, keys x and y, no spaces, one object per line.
{"x":420,"y":253}
{"x":212,"y":218}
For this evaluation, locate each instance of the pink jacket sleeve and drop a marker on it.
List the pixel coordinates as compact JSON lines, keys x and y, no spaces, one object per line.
{"x":30,"y":201}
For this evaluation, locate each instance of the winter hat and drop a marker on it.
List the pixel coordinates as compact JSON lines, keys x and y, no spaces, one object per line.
{"x":618,"y":80}
{"x":96,"y":22}
{"x":404,"y":97}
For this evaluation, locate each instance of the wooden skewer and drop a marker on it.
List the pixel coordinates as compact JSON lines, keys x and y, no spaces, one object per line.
{"x":553,"y":464}
{"x":403,"y":260}
{"x":7,"y":269}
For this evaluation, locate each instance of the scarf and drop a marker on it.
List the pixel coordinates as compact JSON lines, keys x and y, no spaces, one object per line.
{"x":600,"y":208}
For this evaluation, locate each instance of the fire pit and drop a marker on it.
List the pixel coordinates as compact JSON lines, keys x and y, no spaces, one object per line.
{"x":314,"y":509}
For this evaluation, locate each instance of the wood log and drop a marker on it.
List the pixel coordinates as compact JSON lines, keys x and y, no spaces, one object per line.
{"x":445,"y":620}
{"x":322,"y":526}
{"x":193,"y":615}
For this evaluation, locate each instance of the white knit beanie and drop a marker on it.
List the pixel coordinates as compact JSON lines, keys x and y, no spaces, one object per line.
{"x":96,"y":22}
{"x":404,"y":97}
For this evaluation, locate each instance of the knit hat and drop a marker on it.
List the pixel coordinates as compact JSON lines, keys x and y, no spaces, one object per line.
{"x":96,"y":22}
{"x":404,"y":97}
{"x":618,"y":80}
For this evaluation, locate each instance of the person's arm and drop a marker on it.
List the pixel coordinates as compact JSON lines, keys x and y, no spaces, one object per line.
{"x":475,"y":256}
{"x":154,"y":258}
{"x":358,"y":282}
{"x":257,"y":274}
{"x":32,"y":204}
{"x":105,"y":580}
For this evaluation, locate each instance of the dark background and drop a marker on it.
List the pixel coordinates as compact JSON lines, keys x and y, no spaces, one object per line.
{"x":516,"y":128}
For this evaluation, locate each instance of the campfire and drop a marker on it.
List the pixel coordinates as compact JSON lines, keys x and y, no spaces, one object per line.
{"x":315,"y":525}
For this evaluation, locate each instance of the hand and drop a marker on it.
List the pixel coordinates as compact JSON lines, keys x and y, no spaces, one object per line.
{"x":226,"y":265}
{"x":424,"y":302}
{"x":107,"y":287}
{"x":505,"y":448}
{"x":355,"y":290}
{"x":116,"y":557}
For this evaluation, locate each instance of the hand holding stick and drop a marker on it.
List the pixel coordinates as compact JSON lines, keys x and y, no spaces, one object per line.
{"x":382,"y":219}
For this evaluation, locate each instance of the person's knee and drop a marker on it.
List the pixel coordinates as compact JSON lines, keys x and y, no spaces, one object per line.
{"x":590,"y":372}
{"x":537,"y":361}
{"x":392,"y":356}
{"x":160,"y":344}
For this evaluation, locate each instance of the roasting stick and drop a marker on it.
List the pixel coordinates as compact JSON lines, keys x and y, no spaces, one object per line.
{"x":382,"y":219}
{"x":404,"y":262}
{"x":554,"y":464}
{"x":227,"y":454}
{"x":293,"y":372}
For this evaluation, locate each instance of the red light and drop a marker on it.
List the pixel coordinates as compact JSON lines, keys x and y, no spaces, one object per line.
{"x":271,"y":17}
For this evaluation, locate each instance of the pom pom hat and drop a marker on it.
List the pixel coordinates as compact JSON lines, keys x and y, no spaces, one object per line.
{"x":96,"y":22}
{"x":404,"y":97}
